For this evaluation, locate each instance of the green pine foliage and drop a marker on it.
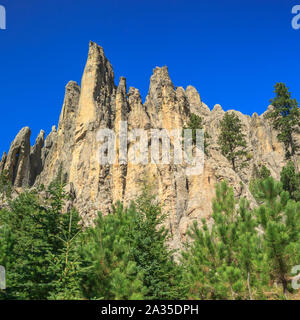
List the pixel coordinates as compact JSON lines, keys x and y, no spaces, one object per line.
{"x":246,"y":254}
{"x":290,"y":180}
{"x":225,"y":261}
{"x":36,"y":245}
{"x":232,"y":141}
{"x":5,"y":186}
{"x":279,"y":218}
{"x":126,"y":254}
{"x":263,"y":173}
{"x":150,"y":250}
{"x":109,"y":270}
{"x":285,"y":118}
{"x":258,"y":175}
{"x":239,"y":253}
{"x":195,"y":122}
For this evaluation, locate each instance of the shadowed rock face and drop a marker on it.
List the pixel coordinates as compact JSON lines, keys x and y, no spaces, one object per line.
{"x":17,"y":163}
{"x":3,"y":161}
{"x":36,"y":163}
{"x":99,"y":103}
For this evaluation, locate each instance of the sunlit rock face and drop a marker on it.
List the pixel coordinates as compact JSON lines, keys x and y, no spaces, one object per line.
{"x":98,"y":104}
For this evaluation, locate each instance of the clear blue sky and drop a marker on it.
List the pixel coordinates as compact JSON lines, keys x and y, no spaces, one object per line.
{"x":232,"y":51}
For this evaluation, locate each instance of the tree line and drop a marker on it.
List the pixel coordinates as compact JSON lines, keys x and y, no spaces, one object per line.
{"x":243,"y":254}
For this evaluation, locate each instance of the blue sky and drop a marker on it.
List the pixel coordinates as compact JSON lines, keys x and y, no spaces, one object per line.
{"x":232,"y":51}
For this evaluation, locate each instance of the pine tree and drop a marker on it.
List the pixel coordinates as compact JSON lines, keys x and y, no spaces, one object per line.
{"x":150,"y":250}
{"x":285,"y":118}
{"x":249,"y":254}
{"x":280,"y":219}
{"x":290,"y":180}
{"x":232,"y":140}
{"x":224,"y":263}
{"x":195,"y":122}
{"x":126,"y":254}
{"x":264,"y":173}
{"x":109,"y":272}
{"x":32,"y":238}
{"x":66,"y":263}
{"x":258,"y":175}
{"x":5,"y":186}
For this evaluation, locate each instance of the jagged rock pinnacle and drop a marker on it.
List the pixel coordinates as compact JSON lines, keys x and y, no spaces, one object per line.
{"x":100,"y":104}
{"x":17,"y":162}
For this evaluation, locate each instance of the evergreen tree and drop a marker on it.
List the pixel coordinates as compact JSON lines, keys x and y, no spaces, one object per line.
{"x":232,"y":140}
{"x":195,"y":122}
{"x":224,"y":263}
{"x":126,"y":254}
{"x":150,"y":250}
{"x":109,"y":272}
{"x":32,"y":239}
{"x":279,"y":218}
{"x":290,"y":180}
{"x":258,"y":175}
{"x":66,"y":263}
{"x":263,"y":173}
{"x":5,"y":186}
{"x":285,"y":118}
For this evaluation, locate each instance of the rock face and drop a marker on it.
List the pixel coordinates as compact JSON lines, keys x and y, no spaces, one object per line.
{"x":17,"y":162}
{"x":100,"y":104}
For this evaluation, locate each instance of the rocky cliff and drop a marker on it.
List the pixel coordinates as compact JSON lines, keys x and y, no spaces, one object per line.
{"x":99,"y":103}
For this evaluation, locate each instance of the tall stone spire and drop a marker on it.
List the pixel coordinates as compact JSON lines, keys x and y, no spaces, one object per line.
{"x":18,"y":162}
{"x":97,"y":86}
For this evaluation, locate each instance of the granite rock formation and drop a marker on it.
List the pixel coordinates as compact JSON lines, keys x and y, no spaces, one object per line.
{"x":97,"y":104}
